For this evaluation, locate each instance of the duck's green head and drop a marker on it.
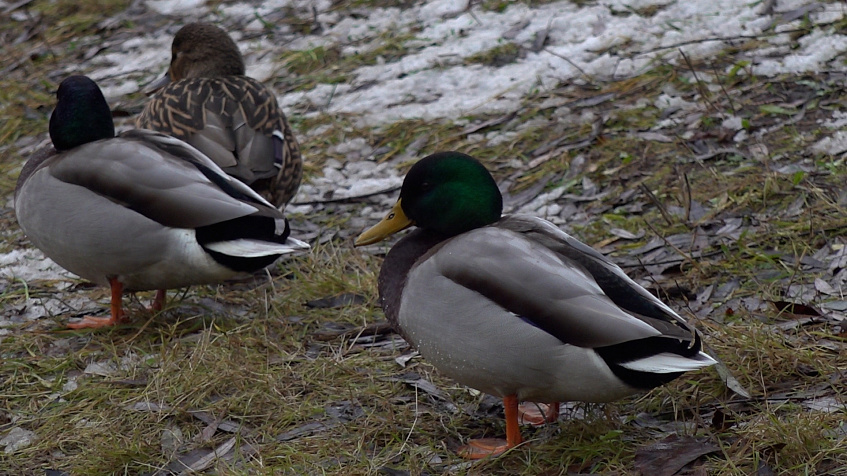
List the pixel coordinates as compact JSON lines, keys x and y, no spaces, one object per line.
{"x":448,"y":193}
{"x":82,"y":114}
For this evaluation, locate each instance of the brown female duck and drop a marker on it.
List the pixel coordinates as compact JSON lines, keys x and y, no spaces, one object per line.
{"x":206,"y":100}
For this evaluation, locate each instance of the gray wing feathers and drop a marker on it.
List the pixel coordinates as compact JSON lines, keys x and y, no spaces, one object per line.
{"x":142,"y":177}
{"x":215,"y":141}
{"x":560,"y":242}
{"x":532,"y":282}
{"x":186,"y":152}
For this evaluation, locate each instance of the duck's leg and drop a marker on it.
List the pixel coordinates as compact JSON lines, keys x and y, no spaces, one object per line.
{"x":513,"y":430}
{"x":538,"y":413}
{"x":116,"y":317}
{"x":159,"y":300}
{"x":553,"y":412}
{"x":480,"y":448}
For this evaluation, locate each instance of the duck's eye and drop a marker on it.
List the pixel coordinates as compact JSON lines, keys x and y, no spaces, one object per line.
{"x":426,"y":186}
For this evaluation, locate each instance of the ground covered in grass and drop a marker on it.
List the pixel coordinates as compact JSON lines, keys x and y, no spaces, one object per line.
{"x":712,"y":172}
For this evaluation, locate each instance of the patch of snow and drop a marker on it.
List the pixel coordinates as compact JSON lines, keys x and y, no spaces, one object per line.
{"x":242,"y":10}
{"x":174,"y":7}
{"x":103,"y":369}
{"x":262,"y":71}
{"x":142,"y":60}
{"x":834,"y":145}
{"x":826,"y":404}
{"x":838,"y":121}
{"x":733,"y":123}
{"x":741,"y":136}
{"x":614,"y":39}
{"x":121,"y":89}
{"x":443,"y":8}
{"x":665,"y":101}
{"x":17,"y":439}
{"x":817,"y":50}
{"x":434,"y":94}
{"x":70,"y":385}
{"x":29,"y":264}
{"x":352,"y":179}
{"x":826,"y":16}
{"x":37,"y":308}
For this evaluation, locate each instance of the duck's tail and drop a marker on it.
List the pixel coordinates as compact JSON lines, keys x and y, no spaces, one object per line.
{"x":668,"y":362}
{"x":654,"y":361}
{"x":252,"y":248}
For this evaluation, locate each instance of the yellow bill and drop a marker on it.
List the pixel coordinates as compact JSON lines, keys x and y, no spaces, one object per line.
{"x":395,"y":221}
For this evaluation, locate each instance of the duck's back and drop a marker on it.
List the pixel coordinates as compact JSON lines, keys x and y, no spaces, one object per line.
{"x":237,"y":122}
{"x":616,"y":285}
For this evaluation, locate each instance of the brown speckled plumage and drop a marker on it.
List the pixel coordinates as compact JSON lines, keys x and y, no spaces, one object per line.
{"x":232,"y":118}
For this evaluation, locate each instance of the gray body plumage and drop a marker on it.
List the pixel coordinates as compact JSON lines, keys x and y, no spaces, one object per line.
{"x":129,"y":207}
{"x":516,"y":308}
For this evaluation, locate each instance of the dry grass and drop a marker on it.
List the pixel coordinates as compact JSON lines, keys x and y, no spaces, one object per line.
{"x":239,"y":365}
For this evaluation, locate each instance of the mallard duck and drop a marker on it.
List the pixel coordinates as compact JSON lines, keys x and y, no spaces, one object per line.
{"x":206,"y":100}
{"x":514,"y":307}
{"x":140,"y":210}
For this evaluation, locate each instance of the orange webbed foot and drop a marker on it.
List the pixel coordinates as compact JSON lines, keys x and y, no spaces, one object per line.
{"x":91,"y":322}
{"x":117,"y":315}
{"x":538,"y":413}
{"x":483,"y":448}
{"x":159,"y":301}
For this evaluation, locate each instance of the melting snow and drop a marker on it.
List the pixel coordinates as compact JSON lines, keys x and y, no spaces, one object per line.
{"x":17,"y":438}
{"x":608,"y":39}
{"x":29,"y":265}
{"x":834,"y":145}
{"x":616,"y":38}
{"x":171,"y":7}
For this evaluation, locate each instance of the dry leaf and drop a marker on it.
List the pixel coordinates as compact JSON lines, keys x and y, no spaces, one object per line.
{"x":795,"y":308}
{"x":824,"y":287}
{"x":668,"y":456}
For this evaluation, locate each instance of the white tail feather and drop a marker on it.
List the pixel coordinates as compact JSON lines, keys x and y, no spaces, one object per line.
{"x":246,"y":248}
{"x":666,"y":363}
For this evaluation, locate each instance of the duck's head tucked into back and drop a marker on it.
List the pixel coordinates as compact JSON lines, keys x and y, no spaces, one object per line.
{"x":513,"y":306}
{"x":140,"y":210}
{"x":81,"y":115}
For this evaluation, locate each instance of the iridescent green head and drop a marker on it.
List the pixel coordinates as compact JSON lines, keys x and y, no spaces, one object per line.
{"x":448,"y":193}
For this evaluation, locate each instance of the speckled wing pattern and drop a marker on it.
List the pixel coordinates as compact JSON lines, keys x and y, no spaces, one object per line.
{"x":235,"y":121}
